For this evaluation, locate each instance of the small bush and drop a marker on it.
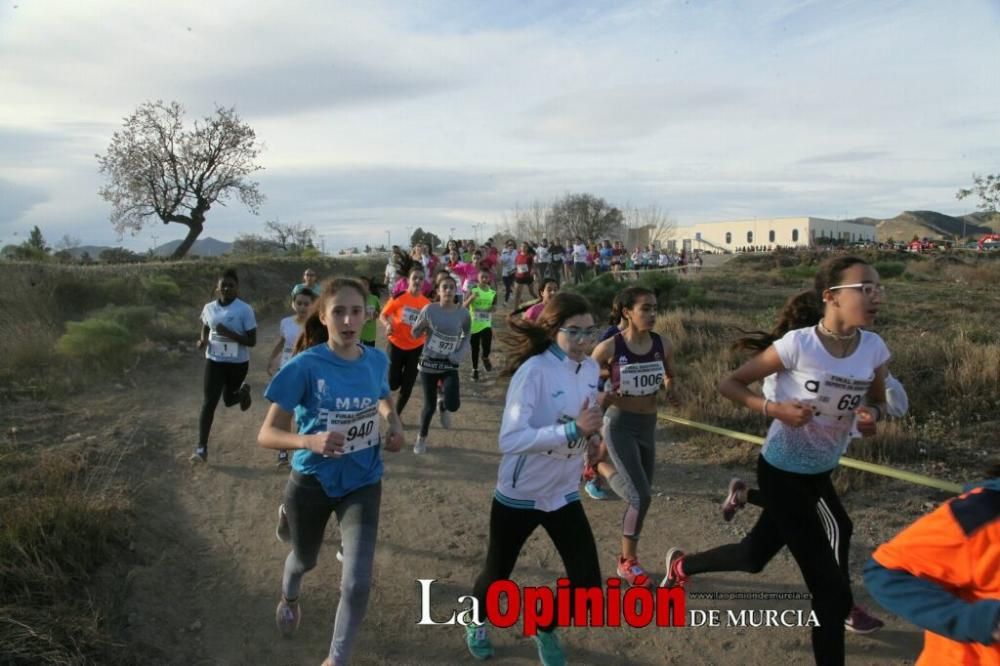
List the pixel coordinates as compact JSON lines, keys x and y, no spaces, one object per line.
{"x":161,"y":289}
{"x":97,"y":340}
{"x":890,"y":269}
{"x":135,"y":318}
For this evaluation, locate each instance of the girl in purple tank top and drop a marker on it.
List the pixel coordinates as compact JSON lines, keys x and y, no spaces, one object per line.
{"x":639,"y":364}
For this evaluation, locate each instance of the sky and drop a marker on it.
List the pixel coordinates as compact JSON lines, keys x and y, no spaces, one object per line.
{"x":378,"y":117}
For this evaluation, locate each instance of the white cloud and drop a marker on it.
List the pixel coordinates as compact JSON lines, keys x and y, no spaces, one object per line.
{"x":447,"y":113}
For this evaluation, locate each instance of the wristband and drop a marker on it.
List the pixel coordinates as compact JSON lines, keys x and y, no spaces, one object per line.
{"x":878,"y":409}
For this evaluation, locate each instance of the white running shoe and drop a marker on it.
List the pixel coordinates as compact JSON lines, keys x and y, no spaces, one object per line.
{"x":420,"y":446}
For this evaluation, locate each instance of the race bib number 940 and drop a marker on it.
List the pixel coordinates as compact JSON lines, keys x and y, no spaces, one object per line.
{"x":360,"y":429}
{"x":641,"y":378}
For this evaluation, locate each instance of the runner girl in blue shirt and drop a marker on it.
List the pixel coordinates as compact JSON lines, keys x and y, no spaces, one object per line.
{"x":336,"y":389}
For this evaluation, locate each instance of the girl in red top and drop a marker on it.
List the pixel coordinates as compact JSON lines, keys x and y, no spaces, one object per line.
{"x":524,"y":264}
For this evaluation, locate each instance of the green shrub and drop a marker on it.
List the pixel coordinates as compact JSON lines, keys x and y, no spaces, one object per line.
{"x":602,"y":290}
{"x":161,"y":289}
{"x":134,"y":318}
{"x":97,"y":340}
{"x":889,"y":269}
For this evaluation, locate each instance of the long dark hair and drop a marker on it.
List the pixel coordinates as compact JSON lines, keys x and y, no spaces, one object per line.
{"x":801,"y":310}
{"x":627,"y":298}
{"x":314,"y":331}
{"x":530,"y":338}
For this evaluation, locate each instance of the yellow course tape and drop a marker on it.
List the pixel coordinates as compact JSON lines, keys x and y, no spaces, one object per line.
{"x":919,"y":479}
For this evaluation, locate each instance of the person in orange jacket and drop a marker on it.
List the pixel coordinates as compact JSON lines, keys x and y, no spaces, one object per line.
{"x":942,"y":573}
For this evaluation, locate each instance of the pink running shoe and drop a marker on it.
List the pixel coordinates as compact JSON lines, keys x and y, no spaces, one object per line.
{"x":675,"y":572}
{"x":735,"y":500}
{"x":632,"y":572}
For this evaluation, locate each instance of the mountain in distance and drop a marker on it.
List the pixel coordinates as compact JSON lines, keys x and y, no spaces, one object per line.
{"x":203,"y":247}
{"x":931,"y":224}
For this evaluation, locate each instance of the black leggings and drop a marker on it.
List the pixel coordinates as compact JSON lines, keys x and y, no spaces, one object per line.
{"x":403,"y":372}
{"x":452,"y":401}
{"x":484,"y":338}
{"x":508,"y":282}
{"x":222,"y":380}
{"x":790,"y":518}
{"x":570,"y":533}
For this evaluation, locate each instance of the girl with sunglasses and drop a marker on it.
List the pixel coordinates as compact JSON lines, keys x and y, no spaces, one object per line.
{"x":550,"y":420}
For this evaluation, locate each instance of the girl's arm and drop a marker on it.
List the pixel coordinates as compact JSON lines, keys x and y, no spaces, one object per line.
{"x":395,"y":439}
{"x":248,"y":339}
{"x":276,"y":433}
{"x":734,"y":386}
{"x":278,"y":347}
{"x":875,"y":410}
{"x":422,"y":324}
{"x":203,"y":338}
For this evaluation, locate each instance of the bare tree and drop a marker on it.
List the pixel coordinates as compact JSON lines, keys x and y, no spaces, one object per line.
{"x":293,"y":237}
{"x":586,"y":216}
{"x":157,"y":168}
{"x":650,"y":225}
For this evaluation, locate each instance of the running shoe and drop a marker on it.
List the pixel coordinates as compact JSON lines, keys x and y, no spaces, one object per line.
{"x":282,"y":458}
{"x":735,"y":500}
{"x":550,"y":652}
{"x":420,"y":446}
{"x":478,"y":642}
{"x":589,"y":473}
{"x":595,"y":491}
{"x":200,"y":455}
{"x":283,"y":531}
{"x":287,"y":617}
{"x":675,"y":576}
{"x":860,"y":621}
{"x":444,"y":415}
{"x":340,"y":554}
{"x":487,"y":365}
{"x":245,"y":399}
{"x":475,"y":374}
{"x":632,"y":572}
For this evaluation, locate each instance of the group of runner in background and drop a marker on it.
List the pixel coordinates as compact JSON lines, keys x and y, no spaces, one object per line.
{"x":581,"y":407}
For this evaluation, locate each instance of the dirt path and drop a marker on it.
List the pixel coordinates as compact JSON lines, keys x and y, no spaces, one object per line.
{"x":210,"y":578}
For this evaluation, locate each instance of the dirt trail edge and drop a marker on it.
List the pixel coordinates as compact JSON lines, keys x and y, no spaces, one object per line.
{"x":209,"y":581}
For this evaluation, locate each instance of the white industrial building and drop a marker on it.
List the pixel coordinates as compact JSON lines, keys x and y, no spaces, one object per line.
{"x":769,"y":233}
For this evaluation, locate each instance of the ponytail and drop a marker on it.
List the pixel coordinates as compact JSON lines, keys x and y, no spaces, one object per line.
{"x":801,"y":310}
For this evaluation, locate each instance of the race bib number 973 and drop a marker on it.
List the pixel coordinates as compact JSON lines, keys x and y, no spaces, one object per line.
{"x":441,"y":344}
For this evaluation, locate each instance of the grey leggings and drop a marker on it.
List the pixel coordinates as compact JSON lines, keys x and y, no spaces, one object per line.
{"x":631,"y":440}
{"x":308,"y":508}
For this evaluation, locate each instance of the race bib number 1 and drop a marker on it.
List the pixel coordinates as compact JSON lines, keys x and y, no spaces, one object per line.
{"x":359,"y":429}
{"x":222,"y":347}
{"x":641,"y":378}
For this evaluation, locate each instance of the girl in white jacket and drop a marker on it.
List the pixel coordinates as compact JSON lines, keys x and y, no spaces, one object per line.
{"x":551,"y":418}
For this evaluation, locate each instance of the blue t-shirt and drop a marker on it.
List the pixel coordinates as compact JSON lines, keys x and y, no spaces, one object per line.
{"x":326,"y":392}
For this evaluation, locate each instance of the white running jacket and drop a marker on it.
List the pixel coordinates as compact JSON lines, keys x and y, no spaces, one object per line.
{"x":543,"y":456}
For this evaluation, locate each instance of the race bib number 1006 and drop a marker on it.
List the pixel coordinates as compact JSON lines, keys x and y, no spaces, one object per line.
{"x":641,"y":378}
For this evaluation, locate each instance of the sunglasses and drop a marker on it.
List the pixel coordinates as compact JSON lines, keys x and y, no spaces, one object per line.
{"x":580,"y":334}
{"x":869,"y":289}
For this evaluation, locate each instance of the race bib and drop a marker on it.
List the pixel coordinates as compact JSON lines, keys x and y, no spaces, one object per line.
{"x":410,"y":315}
{"x":522,"y":269}
{"x":441,"y":344}
{"x":222,"y":347}
{"x":557,"y":256}
{"x":359,"y":429}
{"x":370,"y":311}
{"x":641,"y":378}
{"x":838,"y":396}
{"x":286,"y":356}
{"x":484,"y":316}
